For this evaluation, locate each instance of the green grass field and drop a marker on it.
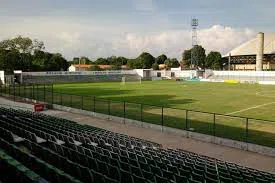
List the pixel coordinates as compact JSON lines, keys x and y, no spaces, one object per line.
{"x":208,"y":97}
{"x":246,"y":100}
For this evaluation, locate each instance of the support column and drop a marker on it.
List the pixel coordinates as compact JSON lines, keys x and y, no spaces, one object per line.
{"x":260,"y":51}
{"x":229,"y":62}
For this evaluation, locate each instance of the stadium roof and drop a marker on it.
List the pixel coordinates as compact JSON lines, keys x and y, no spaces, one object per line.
{"x":249,"y":47}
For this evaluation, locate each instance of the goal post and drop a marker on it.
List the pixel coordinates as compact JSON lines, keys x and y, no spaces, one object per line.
{"x":123,"y":79}
{"x":126,"y":79}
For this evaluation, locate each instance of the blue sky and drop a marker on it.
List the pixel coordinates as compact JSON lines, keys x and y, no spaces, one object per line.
{"x":101,"y":28}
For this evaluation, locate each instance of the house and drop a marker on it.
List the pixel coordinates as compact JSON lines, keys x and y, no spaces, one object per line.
{"x":79,"y":67}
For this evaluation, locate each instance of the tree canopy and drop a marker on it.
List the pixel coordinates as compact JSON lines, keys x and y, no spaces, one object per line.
{"x":161,"y":59}
{"x":171,"y":63}
{"x":186,"y":58}
{"x":155,"y":66}
{"x":22,"y":53}
{"x":198,"y":56}
{"x":146,"y":60}
{"x":213,"y":60}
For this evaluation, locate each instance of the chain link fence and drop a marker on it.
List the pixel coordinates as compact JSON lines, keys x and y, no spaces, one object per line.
{"x":257,"y":131}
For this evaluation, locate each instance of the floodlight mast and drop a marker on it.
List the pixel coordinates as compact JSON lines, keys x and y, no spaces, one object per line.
{"x":194,"y":25}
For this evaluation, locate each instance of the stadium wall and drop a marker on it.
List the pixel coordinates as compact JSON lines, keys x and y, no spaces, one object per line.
{"x":49,"y":73}
{"x":176,"y":74}
{"x":261,"y":77}
{"x":245,"y":73}
{"x":81,"y":76}
{"x":267,"y":82}
{"x":166,"y":73}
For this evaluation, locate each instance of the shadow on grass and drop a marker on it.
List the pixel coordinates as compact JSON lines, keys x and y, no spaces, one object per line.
{"x":158,"y":100}
{"x":105,"y":92}
{"x":227,"y":127}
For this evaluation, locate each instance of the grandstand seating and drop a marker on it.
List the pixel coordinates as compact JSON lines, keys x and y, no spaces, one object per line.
{"x":29,"y":79}
{"x":59,"y":150}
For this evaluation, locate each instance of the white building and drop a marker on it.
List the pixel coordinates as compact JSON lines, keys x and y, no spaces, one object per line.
{"x":79,"y":67}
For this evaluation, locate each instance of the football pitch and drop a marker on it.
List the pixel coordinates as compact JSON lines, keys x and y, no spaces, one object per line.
{"x":244,"y":112}
{"x":247,"y":100}
{"x":184,"y":105}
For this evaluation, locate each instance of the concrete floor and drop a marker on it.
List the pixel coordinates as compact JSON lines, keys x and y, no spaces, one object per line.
{"x":241,"y":157}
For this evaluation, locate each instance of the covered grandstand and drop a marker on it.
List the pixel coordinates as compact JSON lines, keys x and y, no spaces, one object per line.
{"x":244,"y":56}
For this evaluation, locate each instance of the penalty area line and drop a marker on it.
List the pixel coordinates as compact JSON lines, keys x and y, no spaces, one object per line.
{"x":254,"y":107}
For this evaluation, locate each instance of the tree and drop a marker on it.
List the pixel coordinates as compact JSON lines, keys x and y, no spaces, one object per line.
{"x":122,"y":60}
{"x":155,"y":66}
{"x":38,"y":45}
{"x":102,"y":61}
{"x":39,"y":60}
{"x":24,"y":48}
{"x":9,"y":60}
{"x":161,"y":59}
{"x":186,"y":58}
{"x":75,"y":60}
{"x":22,"y":45}
{"x":171,"y":63}
{"x":95,"y":68}
{"x":111,"y":60}
{"x":175,"y":63}
{"x":115,"y":67}
{"x":55,"y":62}
{"x":85,"y":60}
{"x":146,"y":60}
{"x":135,"y":64}
{"x":213,"y":60}
{"x":198,"y":56}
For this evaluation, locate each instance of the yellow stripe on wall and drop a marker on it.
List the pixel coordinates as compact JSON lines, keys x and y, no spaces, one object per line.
{"x":231,"y":81}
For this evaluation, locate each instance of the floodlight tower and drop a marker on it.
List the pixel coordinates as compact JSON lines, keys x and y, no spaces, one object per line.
{"x":194,"y":25}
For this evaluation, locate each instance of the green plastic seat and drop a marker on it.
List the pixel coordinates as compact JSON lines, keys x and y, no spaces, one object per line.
{"x":126,"y":176}
{"x":180,"y":178}
{"x":225,"y":179}
{"x":260,"y":180}
{"x":168,"y":174}
{"x":136,"y":171}
{"x":32,"y":176}
{"x":113,"y":172}
{"x":138,"y":179}
{"x":110,"y":180}
{"x":12,"y":161}
{"x":22,"y":168}
{"x":160,"y":179}
{"x":148,"y":175}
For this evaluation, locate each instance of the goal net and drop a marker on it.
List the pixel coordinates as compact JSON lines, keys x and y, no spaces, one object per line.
{"x":130,"y":78}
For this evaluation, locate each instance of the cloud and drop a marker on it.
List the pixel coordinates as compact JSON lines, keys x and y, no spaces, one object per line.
{"x":75,"y":38}
{"x":224,"y":38}
{"x":144,"y":5}
{"x":173,"y":42}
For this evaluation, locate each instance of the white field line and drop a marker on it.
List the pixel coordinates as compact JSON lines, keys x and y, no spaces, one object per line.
{"x":251,"y":108}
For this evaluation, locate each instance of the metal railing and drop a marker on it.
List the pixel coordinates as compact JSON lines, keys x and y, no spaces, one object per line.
{"x":245,"y":129}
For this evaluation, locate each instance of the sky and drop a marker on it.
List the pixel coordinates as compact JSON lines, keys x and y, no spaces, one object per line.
{"x":102,"y":28}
